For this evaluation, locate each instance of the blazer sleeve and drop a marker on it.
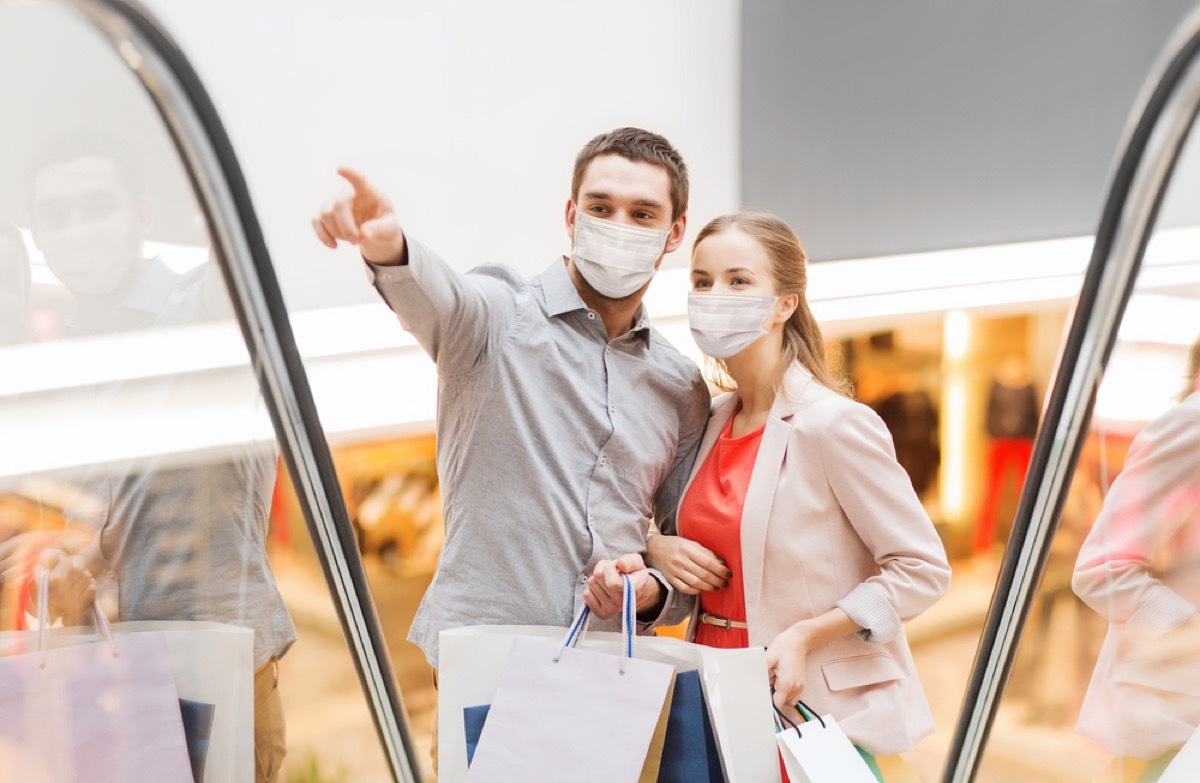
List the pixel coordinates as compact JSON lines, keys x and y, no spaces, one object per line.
{"x":1154,"y":499}
{"x":878,"y":500}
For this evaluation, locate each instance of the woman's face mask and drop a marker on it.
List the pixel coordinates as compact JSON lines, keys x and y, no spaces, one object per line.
{"x":725,"y":324}
{"x":614,"y":258}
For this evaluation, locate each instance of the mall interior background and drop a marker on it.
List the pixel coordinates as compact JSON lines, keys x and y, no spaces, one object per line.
{"x":943,"y":164}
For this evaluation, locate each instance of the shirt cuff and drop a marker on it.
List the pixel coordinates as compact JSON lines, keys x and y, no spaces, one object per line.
{"x":867,"y":605}
{"x":1164,"y":610}
{"x":646,"y":625}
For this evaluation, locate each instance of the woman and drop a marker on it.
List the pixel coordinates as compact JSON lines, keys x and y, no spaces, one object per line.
{"x":796,"y":488}
{"x":1139,"y":567}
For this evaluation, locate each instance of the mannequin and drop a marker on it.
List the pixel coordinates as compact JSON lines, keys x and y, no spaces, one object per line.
{"x":1012,"y":421}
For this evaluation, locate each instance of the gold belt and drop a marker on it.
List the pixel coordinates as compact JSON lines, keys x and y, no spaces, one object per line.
{"x":721,"y":622}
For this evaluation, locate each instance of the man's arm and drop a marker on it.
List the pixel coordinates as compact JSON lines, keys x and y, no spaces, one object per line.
{"x":456,"y":318}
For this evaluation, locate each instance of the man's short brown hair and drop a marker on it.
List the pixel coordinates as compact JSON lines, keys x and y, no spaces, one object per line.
{"x":639,"y":146}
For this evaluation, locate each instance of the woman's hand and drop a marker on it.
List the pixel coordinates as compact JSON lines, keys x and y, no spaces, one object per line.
{"x":688,"y":566}
{"x":787,"y":657}
{"x":71,"y":586}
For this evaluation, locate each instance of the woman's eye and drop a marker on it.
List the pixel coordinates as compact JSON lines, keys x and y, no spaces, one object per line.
{"x":699,"y":285}
{"x":739,"y":281}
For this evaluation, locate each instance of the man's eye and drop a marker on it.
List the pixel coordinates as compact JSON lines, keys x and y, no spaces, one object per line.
{"x":643,"y":216}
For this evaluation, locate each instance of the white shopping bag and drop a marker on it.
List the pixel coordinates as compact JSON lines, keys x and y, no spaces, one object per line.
{"x":105,"y":710}
{"x":211,"y":663}
{"x":818,"y":751}
{"x":1185,"y":767}
{"x":735,"y":682}
{"x":559,"y":713}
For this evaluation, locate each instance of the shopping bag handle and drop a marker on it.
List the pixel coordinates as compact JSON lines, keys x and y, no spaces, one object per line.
{"x":805,"y":711}
{"x":576,"y":632}
{"x":44,"y":613}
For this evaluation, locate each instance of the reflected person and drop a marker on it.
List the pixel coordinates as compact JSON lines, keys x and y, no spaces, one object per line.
{"x":1139,"y":567}
{"x":799,"y":529}
{"x":565,"y":421}
{"x":180,"y":541}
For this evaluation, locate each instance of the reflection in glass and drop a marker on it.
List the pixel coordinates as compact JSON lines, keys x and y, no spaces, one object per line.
{"x":1106,"y":681}
{"x":139,"y":465}
{"x":1139,"y":568}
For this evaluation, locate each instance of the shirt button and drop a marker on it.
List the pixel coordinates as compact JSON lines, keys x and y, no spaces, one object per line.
{"x":591,"y":316}
{"x":386,"y":276}
{"x":603,"y":460}
{"x":583,"y":579}
{"x":612,"y":407}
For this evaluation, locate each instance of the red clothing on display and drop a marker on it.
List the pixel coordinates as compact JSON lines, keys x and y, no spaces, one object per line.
{"x":711,"y":515}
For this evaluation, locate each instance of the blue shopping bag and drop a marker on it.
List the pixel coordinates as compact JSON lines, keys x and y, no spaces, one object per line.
{"x":197,"y":730}
{"x":689,"y":747}
{"x":474,"y":718}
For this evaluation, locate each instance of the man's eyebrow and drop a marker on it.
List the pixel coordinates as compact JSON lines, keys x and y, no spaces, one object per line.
{"x":600,"y":195}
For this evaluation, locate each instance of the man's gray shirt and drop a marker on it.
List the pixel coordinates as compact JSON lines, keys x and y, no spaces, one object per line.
{"x":555,"y":445}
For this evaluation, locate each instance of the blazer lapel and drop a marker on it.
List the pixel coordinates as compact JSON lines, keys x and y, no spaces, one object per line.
{"x":760,"y":495}
{"x":717,"y":420}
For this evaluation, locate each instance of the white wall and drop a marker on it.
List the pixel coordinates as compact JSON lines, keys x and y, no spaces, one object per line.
{"x":469,"y":113}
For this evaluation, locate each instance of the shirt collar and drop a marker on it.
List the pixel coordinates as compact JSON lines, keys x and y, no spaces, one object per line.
{"x":562,"y":297}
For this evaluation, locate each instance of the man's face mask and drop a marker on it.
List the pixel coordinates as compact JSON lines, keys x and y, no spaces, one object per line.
{"x":724,"y":324}
{"x":614,"y":258}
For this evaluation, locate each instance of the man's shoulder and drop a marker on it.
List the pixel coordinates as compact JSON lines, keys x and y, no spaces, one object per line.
{"x":664,"y":352}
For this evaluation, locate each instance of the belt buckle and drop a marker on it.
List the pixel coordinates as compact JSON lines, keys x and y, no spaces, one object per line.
{"x":720,"y":622}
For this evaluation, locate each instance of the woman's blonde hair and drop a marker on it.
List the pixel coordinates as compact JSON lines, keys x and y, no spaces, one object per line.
{"x":802,"y":341}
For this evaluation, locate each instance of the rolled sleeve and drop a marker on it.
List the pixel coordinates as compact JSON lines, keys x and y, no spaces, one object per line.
{"x":868,"y":606}
{"x":457,"y":318}
{"x":676,"y":608}
{"x":1164,"y":611}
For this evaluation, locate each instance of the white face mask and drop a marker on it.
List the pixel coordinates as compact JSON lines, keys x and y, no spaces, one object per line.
{"x":614,"y":258}
{"x":724,"y":324}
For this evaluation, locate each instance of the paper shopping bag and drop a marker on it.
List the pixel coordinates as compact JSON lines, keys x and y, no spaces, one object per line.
{"x":106,"y":710}
{"x":735,"y":684}
{"x":577,"y":718}
{"x":690,"y":748}
{"x":818,"y":751}
{"x":197,"y":730}
{"x":473,"y":720}
{"x":561,"y":713}
{"x":211,"y":662}
{"x":1185,"y":767}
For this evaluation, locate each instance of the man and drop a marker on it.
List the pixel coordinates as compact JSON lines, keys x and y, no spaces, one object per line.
{"x":565,"y":422}
{"x":179,"y":541}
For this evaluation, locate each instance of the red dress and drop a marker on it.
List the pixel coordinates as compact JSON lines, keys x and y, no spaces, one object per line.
{"x":711,"y":515}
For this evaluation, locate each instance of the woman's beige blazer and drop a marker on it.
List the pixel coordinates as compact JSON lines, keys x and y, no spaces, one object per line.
{"x":831,"y":519}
